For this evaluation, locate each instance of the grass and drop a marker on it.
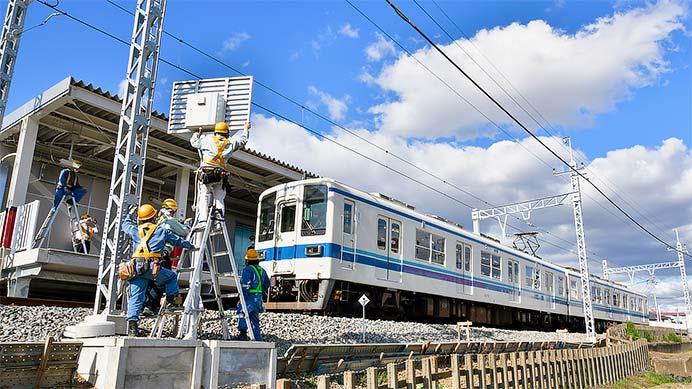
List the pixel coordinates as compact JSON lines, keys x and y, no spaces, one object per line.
{"x":649,"y":379}
{"x":633,"y":333}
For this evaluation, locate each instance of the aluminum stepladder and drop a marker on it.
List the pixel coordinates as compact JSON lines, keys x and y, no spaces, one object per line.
{"x":75,"y":228}
{"x":203,"y":235}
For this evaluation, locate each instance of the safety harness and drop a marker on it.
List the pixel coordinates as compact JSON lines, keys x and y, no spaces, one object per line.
{"x":72,"y":180}
{"x":258,"y":288}
{"x":221,"y":142}
{"x":146,"y":230}
{"x":87,"y":231}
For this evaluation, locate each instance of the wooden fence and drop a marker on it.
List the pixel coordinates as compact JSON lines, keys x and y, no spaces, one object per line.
{"x":573,"y":368}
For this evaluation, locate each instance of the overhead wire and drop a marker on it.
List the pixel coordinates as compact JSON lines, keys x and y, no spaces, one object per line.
{"x":179,"y":39}
{"x":314,"y":132}
{"x":604,"y":180}
{"x":574,"y":169}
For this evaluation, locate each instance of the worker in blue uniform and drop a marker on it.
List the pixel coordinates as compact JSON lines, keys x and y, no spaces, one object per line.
{"x":255,"y":283}
{"x":68,"y":184}
{"x":149,"y":242}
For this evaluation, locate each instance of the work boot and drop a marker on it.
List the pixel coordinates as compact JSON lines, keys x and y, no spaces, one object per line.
{"x":175,"y":301}
{"x":242,"y":335}
{"x":132,"y":329}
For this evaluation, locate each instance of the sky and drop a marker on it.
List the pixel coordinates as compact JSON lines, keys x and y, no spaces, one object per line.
{"x":615,"y":77}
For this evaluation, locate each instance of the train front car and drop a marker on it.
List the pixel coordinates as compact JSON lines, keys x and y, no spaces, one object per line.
{"x":294,"y":237}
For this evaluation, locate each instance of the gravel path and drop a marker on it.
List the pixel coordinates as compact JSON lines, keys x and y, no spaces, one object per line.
{"x":22,"y":323}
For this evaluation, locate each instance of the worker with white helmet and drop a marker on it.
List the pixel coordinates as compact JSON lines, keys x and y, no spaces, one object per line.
{"x":148,"y":241}
{"x":68,"y":184}
{"x":212,"y":175}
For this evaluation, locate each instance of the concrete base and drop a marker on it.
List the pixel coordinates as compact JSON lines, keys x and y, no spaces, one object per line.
{"x":171,"y":363}
{"x":96,"y":326}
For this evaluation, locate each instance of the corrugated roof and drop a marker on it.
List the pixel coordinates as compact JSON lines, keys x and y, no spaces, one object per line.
{"x":102,"y":92}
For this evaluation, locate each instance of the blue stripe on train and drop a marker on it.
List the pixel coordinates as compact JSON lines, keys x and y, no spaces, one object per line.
{"x":333,"y":251}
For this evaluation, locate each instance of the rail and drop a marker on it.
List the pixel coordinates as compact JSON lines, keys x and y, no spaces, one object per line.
{"x":566,"y":368}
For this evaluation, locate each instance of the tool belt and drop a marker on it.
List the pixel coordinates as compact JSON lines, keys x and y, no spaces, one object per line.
{"x":212,"y":175}
{"x":129,"y":269}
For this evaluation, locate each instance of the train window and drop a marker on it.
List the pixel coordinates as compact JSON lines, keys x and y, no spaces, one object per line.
{"x":549,"y":287}
{"x":616,"y":299}
{"x":624,"y":302}
{"x":460,"y":256}
{"x":438,"y":249}
{"x":606,"y":294}
{"x":288,"y":218}
{"x":496,"y":264}
{"x":381,"y":234}
{"x":422,"y":245}
{"x":561,"y":285}
{"x":266,"y":218}
{"x":596,"y":295}
{"x":467,"y":258}
{"x":348,"y":218}
{"x":314,"y":210}
{"x":396,"y":230}
{"x":485,"y":263}
{"x":573,"y":292}
{"x":533,"y":278}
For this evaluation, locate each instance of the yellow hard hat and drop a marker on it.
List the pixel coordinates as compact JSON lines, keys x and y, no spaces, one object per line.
{"x":170,"y":204}
{"x":251,"y":255}
{"x":221,"y":128}
{"x":76,"y":163}
{"x":145,"y":212}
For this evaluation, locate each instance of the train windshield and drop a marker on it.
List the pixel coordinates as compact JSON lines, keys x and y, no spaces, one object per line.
{"x":266,"y":219}
{"x":314,"y":210}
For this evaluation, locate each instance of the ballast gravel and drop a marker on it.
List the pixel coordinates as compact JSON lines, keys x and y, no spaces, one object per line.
{"x":35,"y":323}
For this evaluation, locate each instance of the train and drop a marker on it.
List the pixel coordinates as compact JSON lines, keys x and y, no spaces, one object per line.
{"x":325,"y":244}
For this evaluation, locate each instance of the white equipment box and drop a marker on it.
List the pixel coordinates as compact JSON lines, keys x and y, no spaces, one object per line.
{"x":201,"y":104}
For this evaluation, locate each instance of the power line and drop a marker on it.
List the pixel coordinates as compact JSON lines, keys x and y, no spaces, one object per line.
{"x":524,"y":127}
{"x":549,"y":124}
{"x":388,"y":152}
{"x":316,"y":133}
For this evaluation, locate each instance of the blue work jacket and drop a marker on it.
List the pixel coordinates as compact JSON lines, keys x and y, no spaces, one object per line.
{"x":158,"y":239}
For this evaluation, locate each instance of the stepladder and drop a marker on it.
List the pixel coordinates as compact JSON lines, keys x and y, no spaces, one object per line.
{"x":212,"y":250}
{"x":75,"y":228}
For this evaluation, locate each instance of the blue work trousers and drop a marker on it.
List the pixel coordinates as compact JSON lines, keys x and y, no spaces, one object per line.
{"x":77,"y":194}
{"x":255,"y":307}
{"x":138,"y":288}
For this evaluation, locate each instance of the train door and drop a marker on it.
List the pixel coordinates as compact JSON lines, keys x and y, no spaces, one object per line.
{"x":514,"y":279}
{"x":463,"y":264}
{"x":389,"y":249}
{"x":348,"y":235}
{"x":285,"y":234}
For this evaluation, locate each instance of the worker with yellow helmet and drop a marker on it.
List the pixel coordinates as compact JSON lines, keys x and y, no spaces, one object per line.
{"x":149,"y":241}
{"x":88,"y":226}
{"x":68,"y":184}
{"x":255,"y":284}
{"x":212,"y":175}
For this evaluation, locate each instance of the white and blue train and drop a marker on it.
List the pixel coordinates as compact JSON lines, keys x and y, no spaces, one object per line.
{"x":326,"y":244}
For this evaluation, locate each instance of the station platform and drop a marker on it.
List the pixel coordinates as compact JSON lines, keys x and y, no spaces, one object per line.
{"x":62,"y":274}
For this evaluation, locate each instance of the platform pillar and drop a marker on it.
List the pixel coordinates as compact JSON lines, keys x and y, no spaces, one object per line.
{"x":21,"y":170}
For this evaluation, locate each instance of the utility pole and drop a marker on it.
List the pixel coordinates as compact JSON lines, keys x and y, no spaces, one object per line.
{"x":680,"y":250}
{"x":581,"y":241}
{"x":9,"y":47}
{"x":128,"y":167}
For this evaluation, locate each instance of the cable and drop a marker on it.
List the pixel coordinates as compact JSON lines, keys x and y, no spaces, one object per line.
{"x":316,"y":133}
{"x":386,"y":151}
{"x":526,"y":129}
{"x":603,"y":180}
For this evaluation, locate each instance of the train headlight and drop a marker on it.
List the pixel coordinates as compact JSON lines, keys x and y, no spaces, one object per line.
{"x":262,"y":255}
{"x":314,"y":251}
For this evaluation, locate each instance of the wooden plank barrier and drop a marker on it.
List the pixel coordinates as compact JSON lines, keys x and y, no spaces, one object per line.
{"x":544,"y":369}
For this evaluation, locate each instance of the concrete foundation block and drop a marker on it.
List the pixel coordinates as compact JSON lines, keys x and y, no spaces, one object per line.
{"x":171,"y":363}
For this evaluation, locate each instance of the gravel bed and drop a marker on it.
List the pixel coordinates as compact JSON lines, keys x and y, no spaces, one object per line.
{"x":26,"y":323}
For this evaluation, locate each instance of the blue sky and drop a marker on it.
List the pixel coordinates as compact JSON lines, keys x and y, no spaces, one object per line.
{"x":614,"y":76}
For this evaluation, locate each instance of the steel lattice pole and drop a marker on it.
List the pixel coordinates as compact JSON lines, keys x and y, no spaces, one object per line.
{"x":683,"y":279}
{"x":11,"y":34}
{"x":131,"y":147}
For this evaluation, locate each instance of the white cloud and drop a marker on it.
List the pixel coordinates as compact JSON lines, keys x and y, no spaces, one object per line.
{"x":336,"y":107}
{"x":234,"y":41}
{"x":569,"y":77}
{"x":349,"y":31}
{"x":380,"y":49}
{"x":122,"y":88}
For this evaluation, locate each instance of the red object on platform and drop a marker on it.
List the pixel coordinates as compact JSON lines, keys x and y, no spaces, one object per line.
{"x":8,"y":227}
{"x":175,"y":256}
